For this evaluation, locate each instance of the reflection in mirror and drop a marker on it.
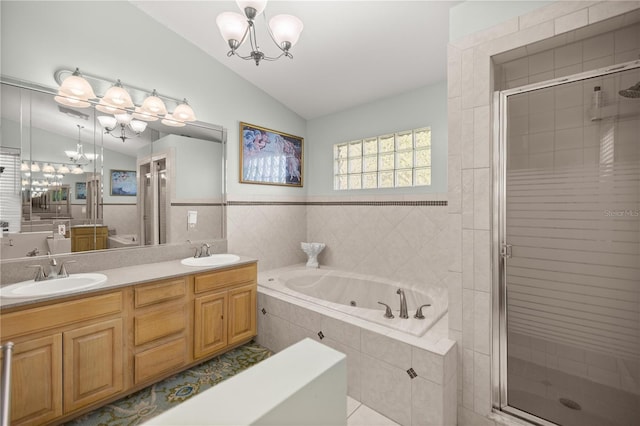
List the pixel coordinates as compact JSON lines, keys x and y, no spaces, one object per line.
{"x":71,"y":183}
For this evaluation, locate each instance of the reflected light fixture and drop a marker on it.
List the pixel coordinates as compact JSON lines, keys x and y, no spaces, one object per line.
{"x":77,"y":170}
{"x":78,"y":156}
{"x":124,"y":122}
{"x":77,"y":90}
{"x":284,"y":30}
{"x":63,"y":169}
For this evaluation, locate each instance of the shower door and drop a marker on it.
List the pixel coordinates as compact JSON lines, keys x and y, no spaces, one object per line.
{"x":570,"y":251}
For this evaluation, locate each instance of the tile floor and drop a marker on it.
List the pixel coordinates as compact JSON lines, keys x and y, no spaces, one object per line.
{"x":359,"y":414}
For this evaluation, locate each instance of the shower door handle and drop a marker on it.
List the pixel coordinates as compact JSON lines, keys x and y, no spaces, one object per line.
{"x":506,"y":251}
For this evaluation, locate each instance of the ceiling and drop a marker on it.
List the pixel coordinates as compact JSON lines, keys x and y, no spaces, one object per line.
{"x":350,"y":52}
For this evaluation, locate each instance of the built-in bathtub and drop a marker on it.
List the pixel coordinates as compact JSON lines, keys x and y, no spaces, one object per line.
{"x":123,"y":240}
{"x":405,"y":369}
{"x":358,"y":295}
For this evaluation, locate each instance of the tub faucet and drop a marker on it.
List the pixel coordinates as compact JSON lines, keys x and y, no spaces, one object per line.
{"x":403,"y":304}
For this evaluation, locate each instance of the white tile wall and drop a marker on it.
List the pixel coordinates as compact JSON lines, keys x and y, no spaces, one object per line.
{"x":532,"y":34}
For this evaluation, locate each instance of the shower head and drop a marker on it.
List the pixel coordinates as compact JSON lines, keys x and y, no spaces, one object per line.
{"x":631,"y":92}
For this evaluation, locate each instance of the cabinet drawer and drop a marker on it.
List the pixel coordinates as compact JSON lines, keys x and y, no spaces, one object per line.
{"x":160,"y":292}
{"x":225,"y":278}
{"x":60,"y":314}
{"x":160,"y":359}
{"x":160,"y":323}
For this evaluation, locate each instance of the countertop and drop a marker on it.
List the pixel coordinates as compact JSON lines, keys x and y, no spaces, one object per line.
{"x":126,"y":276}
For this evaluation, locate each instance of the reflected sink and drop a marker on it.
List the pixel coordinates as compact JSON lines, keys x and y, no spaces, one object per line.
{"x":213,"y":260}
{"x":69,"y":284}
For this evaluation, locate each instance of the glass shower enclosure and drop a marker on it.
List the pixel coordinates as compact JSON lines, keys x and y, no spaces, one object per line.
{"x":569,"y":239}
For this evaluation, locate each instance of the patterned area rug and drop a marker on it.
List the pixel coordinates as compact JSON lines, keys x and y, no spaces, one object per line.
{"x":149,"y":402}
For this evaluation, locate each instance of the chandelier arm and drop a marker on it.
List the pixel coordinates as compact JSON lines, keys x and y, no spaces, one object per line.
{"x":252,"y":37}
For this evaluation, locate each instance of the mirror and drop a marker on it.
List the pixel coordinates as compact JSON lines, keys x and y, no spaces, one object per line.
{"x":67,"y":186}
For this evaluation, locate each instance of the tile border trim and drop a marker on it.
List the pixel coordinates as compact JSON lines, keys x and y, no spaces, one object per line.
{"x":432,"y":203}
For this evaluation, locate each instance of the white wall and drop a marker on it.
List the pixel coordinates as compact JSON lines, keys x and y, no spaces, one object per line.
{"x":114,"y":39}
{"x":425,"y":106}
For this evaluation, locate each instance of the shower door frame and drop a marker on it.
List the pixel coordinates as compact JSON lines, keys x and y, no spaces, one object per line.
{"x":500,"y":250}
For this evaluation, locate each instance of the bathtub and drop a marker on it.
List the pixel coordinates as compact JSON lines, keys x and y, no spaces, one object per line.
{"x":358,"y":295}
{"x":123,"y":240}
{"x":405,"y":369}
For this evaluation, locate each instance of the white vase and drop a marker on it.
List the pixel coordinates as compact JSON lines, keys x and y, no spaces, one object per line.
{"x":312,"y":250}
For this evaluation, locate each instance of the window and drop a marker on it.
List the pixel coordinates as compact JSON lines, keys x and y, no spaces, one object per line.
{"x":397,"y":160}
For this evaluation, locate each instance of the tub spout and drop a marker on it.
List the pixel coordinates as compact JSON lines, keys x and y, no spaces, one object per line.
{"x":403,"y":304}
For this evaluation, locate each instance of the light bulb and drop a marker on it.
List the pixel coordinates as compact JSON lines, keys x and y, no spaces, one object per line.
{"x":286,"y":30}
{"x":184,"y":112}
{"x":168,"y":120}
{"x":232,"y":26}
{"x":154,"y":105}
{"x":144,"y":115}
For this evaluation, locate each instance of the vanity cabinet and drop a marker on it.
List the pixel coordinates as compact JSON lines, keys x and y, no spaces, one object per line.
{"x":72,"y":355}
{"x":66,"y":356}
{"x":37,"y":377}
{"x":82,"y":238}
{"x":224,"y":309}
{"x":160,"y":327}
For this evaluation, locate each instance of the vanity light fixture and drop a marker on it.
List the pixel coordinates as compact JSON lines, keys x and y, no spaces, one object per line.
{"x":75,"y":91}
{"x":284,"y":30}
{"x":78,"y":156}
{"x":81,"y":90}
{"x":48,"y":169}
{"x":168,"y":120}
{"x":124,"y":122}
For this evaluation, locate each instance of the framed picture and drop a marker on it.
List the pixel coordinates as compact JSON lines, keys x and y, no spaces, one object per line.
{"x":81,"y":190}
{"x":270,"y":157}
{"x":123,"y":182}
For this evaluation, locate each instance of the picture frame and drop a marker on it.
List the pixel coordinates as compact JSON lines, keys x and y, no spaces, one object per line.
{"x":81,"y":190}
{"x":270,"y":157}
{"x":123,"y":182}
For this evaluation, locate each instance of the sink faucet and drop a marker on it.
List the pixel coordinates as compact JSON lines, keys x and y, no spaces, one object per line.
{"x":52,"y":267}
{"x":33,"y":252}
{"x":403,"y":304}
{"x":204,"y":250}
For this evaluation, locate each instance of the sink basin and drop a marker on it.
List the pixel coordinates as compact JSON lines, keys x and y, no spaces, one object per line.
{"x":213,"y":260}
{"x":55,"y":286}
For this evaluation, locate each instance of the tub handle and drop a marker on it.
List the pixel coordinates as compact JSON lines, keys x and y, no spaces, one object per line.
{"x":418,"y":314}
{"x":387,"y":313}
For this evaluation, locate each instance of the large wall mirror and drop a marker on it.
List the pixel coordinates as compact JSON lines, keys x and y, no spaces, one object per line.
{"x":68,"y":186}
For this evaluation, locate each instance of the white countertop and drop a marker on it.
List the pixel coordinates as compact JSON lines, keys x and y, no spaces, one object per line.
{"x":126,"y":276}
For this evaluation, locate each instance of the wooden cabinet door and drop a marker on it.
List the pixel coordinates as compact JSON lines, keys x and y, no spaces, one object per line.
{"x":210,"y":324}
{"x":93,"y":363}
{"x":36,"y":380}
{"x":242,"y":313}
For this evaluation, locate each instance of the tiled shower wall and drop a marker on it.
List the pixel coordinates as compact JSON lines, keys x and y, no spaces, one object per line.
{"x":470,"y":85}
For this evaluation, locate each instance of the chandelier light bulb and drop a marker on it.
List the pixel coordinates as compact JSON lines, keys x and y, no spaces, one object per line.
{"x":233,"y":28}
{"x":24,"y":167}
{"x":123,"y":119}
{"x":63,"y":169}
{"x":257,"y":5}
{"x":77,"y":170}
{"x":286,"y":30}
{"x":107,"y":122}
{"x":35,"y":167}
{"x":138,"y":126}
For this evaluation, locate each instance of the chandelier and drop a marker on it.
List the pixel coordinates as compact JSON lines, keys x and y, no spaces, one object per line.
{"x":284,"y":30}
{"x":78,"y":156}
{"x":123,"y":122}
{"x":128,"y":107}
